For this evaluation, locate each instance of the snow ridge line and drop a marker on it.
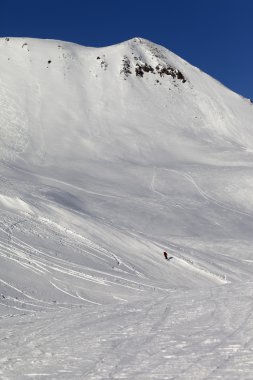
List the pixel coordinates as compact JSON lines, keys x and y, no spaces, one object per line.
{"x":197,"y":267}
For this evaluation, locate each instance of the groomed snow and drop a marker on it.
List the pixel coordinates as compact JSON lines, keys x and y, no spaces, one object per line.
{"x":101,"y":171}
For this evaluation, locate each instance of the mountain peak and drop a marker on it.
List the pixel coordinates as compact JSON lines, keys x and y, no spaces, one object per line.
{"x":136,"y":76}
{"x":137,"y":40}
{"x":140,"y":56}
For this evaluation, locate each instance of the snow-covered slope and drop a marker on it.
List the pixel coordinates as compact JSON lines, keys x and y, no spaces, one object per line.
{"x":108,"y":157}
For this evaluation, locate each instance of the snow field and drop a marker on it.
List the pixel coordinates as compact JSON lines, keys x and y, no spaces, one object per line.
{"x":108,"y":157}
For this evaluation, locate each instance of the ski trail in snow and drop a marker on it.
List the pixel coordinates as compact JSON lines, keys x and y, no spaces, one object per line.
{"x":20,"y":252}
{"x":203,"y":193}
{"x":193,"y":265}
{"x":70,"y":294}
{"x":152,"y":185}
{"x":153,"y":189}
{"x":187,"y":335}
{"x":207,"y":196}
{"x":220,"y":279}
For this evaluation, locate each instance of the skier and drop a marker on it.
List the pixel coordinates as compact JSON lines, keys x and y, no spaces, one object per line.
{"x":165,"y":255}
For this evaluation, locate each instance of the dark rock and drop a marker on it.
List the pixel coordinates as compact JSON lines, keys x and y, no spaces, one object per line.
{"x":126,"y":69}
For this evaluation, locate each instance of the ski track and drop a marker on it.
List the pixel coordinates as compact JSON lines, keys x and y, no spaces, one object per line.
{"x":48,"y":264}
{"x":45,"y":265}
{"x":152,"y":339}
{"x":203,"y":193}
{"x":206,"y":196}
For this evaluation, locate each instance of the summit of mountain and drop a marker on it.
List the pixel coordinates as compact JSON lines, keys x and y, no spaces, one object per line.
{"x":132,"y":101}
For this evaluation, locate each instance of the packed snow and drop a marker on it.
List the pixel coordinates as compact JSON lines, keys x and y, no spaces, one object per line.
{"x":109,"y":157}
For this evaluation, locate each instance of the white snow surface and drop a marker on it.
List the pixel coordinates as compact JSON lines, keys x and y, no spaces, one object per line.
{"x":108,"y":157}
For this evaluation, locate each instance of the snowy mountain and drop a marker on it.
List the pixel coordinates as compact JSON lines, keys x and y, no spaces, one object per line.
{"x":108,"y":157}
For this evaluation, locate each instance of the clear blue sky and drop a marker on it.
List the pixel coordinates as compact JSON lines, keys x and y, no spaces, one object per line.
{"x":215,"y":35}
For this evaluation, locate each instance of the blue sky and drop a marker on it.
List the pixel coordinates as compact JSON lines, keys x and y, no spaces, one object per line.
{"x":214,"y":35}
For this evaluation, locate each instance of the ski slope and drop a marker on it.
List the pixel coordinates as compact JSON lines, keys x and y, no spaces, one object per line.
{"x":108,"y":157}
